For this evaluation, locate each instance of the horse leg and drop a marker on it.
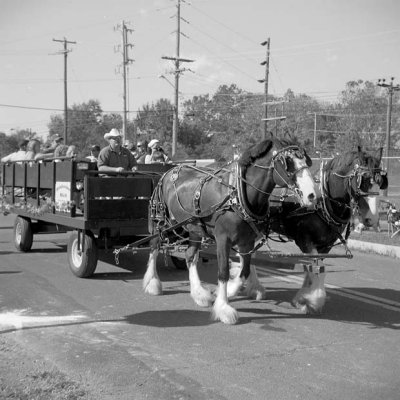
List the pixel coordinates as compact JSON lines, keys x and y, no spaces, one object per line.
{"x":201,"y":296}
{"x":151,"y":282}
{"x":254,"y":289}
{"x":311,"y":297}
{"x":222,"y":310}
{"x":235,"y":282}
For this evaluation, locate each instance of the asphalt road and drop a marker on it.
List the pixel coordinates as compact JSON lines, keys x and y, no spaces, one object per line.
{"x":122,"y":344}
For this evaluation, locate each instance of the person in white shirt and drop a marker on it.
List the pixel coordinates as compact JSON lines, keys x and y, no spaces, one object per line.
{"x":17,"y":155}
{"x":155,"y":147}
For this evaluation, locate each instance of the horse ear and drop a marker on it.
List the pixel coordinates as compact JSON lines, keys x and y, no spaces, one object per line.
{"x":308,"y":159}
{"x":379,"y":153}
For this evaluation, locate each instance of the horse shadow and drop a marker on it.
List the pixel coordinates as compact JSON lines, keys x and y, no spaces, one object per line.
{"x":278,"y":307}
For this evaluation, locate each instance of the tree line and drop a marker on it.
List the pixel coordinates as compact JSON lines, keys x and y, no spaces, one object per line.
{"x":209,"y":125}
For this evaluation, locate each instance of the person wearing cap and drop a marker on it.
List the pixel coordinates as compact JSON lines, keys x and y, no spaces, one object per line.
{"x":155,"y":147}
{"x":94,"y":153}
{"x":17,"y":155}
{"x":114,"y":157}
{"x":57,"y":141}
{"x":141,"y":147}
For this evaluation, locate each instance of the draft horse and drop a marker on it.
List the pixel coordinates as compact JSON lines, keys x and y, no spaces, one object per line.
{"x":346,"y":182}
{"x":229,"y":205}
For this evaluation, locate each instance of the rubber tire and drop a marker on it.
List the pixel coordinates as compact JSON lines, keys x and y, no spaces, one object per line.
{"x":82,"y":265}
{"x":179,"y":263}
{"x":23,"y":234}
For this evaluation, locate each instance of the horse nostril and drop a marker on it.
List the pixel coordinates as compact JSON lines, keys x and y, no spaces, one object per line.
{"x":311,"y":197}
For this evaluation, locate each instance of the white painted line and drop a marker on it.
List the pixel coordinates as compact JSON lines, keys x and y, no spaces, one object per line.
{"x":19,"y":319}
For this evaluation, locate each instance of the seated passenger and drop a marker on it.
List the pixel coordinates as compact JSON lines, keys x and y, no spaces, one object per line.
{"x":57,"y":141}
{"x":17,"y":155}
{"x":114,"y":157}
{"x":71,"y":151}
{"x":154,"y":145}
{"x":157,"y":157}
{"x":61,"y":151}
{"x":32,"y":150}
{"x":94,"y":153}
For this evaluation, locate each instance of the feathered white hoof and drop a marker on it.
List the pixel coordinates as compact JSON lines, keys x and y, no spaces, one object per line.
{"x":202,"y":297}
{"x":311,"y":303}
{"x":225,"y":313}
{"x":152,"y":286}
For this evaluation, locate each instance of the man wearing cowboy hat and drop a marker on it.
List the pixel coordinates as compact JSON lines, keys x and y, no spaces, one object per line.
{"x":114,"y":157}
{"x":154,"y":145}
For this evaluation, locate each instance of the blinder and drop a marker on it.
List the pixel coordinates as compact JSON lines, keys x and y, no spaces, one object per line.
{"x":365,"y":178}
{"x":284,"y":166}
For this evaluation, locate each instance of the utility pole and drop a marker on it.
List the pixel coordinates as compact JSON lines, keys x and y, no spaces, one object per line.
{"x":265,"y":81}
{"x":125,"y":63}
{"x":390,"y":89}
{"x":65,"y":51}
{"x":177,"y":60}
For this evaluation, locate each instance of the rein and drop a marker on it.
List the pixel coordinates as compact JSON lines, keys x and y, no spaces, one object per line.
{"x":235,"y":198}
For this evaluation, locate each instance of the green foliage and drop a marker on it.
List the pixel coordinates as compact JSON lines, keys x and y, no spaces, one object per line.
{"x":212,"y":126}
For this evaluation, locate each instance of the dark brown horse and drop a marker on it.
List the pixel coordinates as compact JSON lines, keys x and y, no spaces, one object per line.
{"x":346,"y":181}
{"x":229,"y":205}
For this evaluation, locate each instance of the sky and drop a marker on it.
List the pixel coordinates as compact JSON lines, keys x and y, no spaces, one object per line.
{"x":316,"y":47}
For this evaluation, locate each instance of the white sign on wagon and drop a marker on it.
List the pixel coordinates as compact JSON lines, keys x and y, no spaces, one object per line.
{"x":63,"y":196}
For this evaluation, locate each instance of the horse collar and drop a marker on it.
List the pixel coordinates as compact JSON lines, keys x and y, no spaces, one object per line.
{"x":242,"y":203}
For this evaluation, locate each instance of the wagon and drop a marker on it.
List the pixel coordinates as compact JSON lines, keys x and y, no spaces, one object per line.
{"x":100,"y":210}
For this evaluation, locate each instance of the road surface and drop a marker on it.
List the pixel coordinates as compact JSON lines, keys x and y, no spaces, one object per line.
{"x":119,"y":343}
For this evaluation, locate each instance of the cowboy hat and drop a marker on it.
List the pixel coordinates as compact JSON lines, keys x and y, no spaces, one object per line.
{"x":112,"y":134}
{"x":153,"y":143}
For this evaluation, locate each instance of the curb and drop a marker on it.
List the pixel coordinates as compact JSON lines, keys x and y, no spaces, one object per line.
{"x":368,"y":247}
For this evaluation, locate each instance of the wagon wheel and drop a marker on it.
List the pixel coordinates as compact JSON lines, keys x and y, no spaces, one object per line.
{"x":82,"y":264}
{"x":180,"y":263}
{"x":23,"y":235}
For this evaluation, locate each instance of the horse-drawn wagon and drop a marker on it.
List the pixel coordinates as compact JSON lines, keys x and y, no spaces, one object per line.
{"x":101,"y":210}
{"x":173,"y":205}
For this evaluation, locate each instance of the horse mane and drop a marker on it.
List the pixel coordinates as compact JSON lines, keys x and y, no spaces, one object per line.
{"x":260,"y":149}
{"x":342,"y":161}
{"x":345,"y":160}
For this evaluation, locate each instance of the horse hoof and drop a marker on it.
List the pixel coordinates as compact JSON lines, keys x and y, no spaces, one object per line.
{"x":203,"y":301}
{"x":153,"y":287}
{"x":225,"y":313}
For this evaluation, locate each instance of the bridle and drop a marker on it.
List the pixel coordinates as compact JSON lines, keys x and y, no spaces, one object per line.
{"x":358,"y":175}
{"x":280,"y":168}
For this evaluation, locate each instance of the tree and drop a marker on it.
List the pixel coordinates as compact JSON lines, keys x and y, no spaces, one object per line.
{"x":154,"y":121}
{"x":364,"y":115}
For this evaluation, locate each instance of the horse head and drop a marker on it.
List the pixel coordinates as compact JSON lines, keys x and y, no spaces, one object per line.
{"x":355,"y":176}
{"x":291,"y":169}
{"x":287,"y":165}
